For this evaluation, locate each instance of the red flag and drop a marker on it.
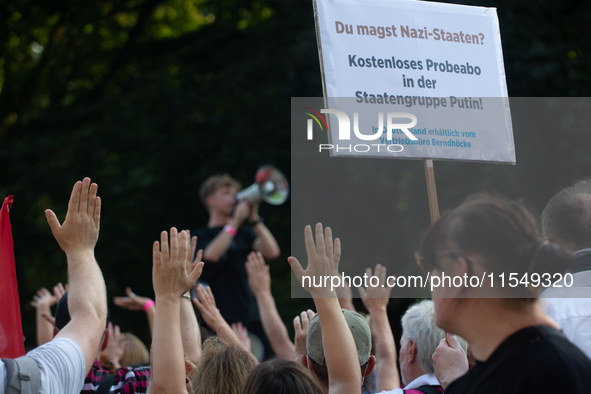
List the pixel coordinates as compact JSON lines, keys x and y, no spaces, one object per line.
{"x":11,"y":329}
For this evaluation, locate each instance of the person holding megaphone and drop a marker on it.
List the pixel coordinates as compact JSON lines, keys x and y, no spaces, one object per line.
{"x":233,"y":231}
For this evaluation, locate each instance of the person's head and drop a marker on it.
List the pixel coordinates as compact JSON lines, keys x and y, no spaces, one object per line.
{"x":420,"y":338}
{"x":135,"y":352}
{"x":315,"y":361}
{"x":218,"y":193}
{"x":281,"y":377}
{"x":487,"y":235}
{"x":567,"y":217}
{"x":223,"y":368}
{"x":62,"y":318}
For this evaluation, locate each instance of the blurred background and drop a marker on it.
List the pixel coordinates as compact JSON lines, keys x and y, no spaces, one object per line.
{"x":150,"y":97}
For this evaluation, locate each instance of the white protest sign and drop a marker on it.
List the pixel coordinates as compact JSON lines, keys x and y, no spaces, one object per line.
{"x":441,"y":63}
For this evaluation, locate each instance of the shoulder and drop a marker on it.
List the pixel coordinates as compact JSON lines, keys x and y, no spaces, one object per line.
{"x":57,"y":347}
{"x":517,"y":365}
{"x":546,"y":350}
{"x":61,"y":365}
{"x":58,"y":350}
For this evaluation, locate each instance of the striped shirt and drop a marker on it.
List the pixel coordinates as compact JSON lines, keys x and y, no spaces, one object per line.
{"x":127,"y":380}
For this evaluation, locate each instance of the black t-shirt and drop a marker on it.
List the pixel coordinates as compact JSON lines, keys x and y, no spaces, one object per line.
{"x":534,"y":360}
{"x":227,"y":277}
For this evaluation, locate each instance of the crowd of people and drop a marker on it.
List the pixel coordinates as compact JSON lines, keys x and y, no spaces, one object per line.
{"x":485,"y":339}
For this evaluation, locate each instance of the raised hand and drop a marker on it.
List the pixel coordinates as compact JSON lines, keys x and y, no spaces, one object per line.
{"x":192,"y":263}
{"x":171,"y":278}
{"x":259,"y":279}
{"x":44,"y":298}
{"x":212,"y":316}
{"x":242,"y":334}
{"x":77,"y":236}
{"x":253,"y":215}
{"x":115,"y":348}
{"x":80,"y":230}
{"x":170,"y":275}
{"x":241,"y":212}
{"x":339,"y":346}
{"x":375,"y":298}
{"x":59,"y":290}
{"x":132,"y":301}
{"x":376,"y":301}
{"x":300,"y":325}
{"x":209,"y":311}
{"x":323,"y":261}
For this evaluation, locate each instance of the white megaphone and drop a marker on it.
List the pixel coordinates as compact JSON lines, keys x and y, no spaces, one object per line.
{"x":269,"y":185}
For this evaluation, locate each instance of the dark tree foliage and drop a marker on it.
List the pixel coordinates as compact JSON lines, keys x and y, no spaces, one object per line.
{"x":151,"y":97}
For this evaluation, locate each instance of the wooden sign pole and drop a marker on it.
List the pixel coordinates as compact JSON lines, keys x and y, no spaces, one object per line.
{"x":431,"y":190}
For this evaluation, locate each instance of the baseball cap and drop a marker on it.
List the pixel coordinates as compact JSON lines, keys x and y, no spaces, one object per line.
{"x":359,"y":328}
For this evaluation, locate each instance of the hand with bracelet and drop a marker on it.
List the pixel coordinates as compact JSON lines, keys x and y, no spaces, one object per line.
{"x":133,"y":302}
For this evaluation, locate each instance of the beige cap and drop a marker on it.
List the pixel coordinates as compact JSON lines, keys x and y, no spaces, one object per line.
{"x":359,"y":328}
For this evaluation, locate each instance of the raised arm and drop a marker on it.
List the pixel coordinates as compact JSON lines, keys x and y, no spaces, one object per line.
{"x":300,"y":325}
{"x":345,"y":296}
{"x":339,"y":347}
{"x":87,"y":296}
{"x":376,"y":301}
{"x":190,"y":332}
{"x":43,"y":301}
{"x":171,"y":280}
{"x":265,"y":241}
{"x":259,"y":281}
{"x":212,"y":316}
{"x":344,"y":293}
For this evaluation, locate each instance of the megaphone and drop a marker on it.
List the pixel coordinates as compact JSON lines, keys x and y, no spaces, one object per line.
{"x":270,"y":185}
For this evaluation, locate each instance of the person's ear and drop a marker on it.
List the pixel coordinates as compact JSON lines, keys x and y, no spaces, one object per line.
{"x":462,"y":266}
{"x":412,"y":351}
{"x":55,"y":331}
{"x":105,"y":341}
{"x":208,"y":200}
{"x":371,"y":363}
{"x":304,"y":360}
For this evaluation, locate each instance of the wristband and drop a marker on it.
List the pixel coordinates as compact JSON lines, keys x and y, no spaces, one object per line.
{"x":147,"y":305}
{"x":230,"y":230}
{"x":187,"y":295}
